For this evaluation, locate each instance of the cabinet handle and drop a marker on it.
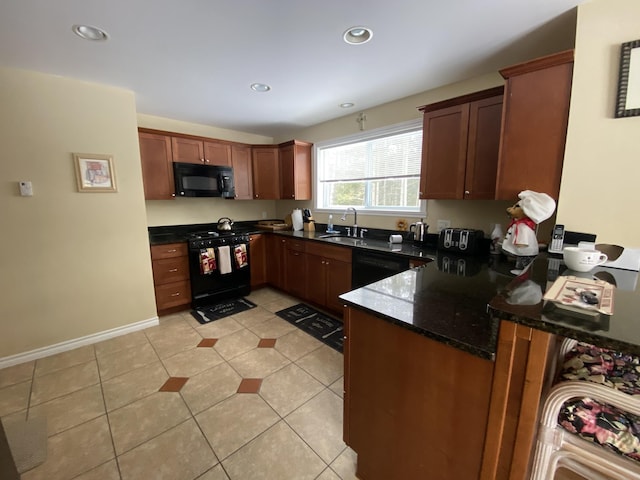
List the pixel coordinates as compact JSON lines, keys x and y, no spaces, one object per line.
{"x":177,"y":294}
{"x":293,"y":196}
{"x":467,"y":192}
{"x":173,"y":270}
{"x":327,"y":263}
{"x":172,"y":251}
{"x":256,"y":195}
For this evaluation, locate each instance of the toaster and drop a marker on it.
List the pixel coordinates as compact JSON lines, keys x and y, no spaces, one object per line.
{"x":461,"y":240}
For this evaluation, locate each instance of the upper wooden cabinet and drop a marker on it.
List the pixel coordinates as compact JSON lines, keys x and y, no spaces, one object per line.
{"x":295,"y":170}
{"x":190,"y":150}
{"x":534,"y":127}
{"x":242,"y":171}
{"x":266,"y":173}
{"x":157,"y":169}
{"x":460,"y":146}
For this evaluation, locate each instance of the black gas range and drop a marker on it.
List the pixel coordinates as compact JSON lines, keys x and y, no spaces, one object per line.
{"x":218,"y":266}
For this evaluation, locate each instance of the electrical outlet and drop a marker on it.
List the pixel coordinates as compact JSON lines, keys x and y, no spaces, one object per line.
{"x":442,"y":224}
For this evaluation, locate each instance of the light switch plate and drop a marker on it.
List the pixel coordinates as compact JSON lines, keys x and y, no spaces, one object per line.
{"x":26,"y":189}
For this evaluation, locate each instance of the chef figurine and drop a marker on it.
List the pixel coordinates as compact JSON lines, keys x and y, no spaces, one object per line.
{"x":532,"y":209}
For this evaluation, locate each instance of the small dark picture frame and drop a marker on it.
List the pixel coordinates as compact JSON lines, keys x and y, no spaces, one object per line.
{"x":628,"y":101}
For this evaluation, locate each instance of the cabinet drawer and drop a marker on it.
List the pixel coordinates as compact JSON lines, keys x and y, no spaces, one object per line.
{"x":168,"y":250}
{"x":173,"y":294}
{"x":297,"y":245}
{"x":168,"y":270}
{"x":330,"y":251}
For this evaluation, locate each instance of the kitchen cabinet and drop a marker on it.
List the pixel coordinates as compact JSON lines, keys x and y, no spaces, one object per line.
{"x":157,"y":169}
{"x":460,"y":146}
{"x":536,"y":113}
{"x":411,"y":402}
{"x":242,"y":171}
{"x":295,"y":170}
{"x":328,"y":274}
{"x":257,"y":257}
{"x":193,"y":150}
{"x":170,"y":266}
{"x":275,"y":247}
{"x":266,"y":172}
{"x":295,"y":273}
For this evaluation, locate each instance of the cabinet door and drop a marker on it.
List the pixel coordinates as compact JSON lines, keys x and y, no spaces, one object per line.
{"x":485,"y":119}
{"x":157,"y":170}
{"x":257,"y":259}
{"x":535,"y":125}
{"x":217,"y":153}
{"x":295,"y":171}
{"x":275,"y":260}
{"x":266,"y":173}
{"x":444,"y":152}
{"x":187,"y":150}
{"x":316,"y":279}
{"x":295,"y":274}
{"x":338,"y":282}
{"x":242,"y":175}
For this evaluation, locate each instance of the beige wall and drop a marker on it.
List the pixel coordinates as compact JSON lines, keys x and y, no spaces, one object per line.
{"x":600,"y":178}
{"x":72,"y":264}
{"x":204,"y":210}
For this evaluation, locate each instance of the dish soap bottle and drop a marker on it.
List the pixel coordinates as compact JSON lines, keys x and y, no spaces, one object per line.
{"x":330,"y":224}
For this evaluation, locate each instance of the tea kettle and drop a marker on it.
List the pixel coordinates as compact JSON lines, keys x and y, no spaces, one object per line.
{"x":224,"y":224}
{"x":419,"y":230}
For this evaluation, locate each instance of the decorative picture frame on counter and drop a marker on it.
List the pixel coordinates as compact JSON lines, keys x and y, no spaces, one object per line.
{"x":628,"y":101}
{"x":95,"y":173}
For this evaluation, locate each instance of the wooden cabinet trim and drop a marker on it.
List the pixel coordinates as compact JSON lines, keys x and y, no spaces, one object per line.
{"x":471,"y":97}
{"x":518,"y":381}
{"x":552,"y":60}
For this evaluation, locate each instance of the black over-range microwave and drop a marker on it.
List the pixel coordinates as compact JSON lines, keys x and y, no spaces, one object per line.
{"x":195,"y":180}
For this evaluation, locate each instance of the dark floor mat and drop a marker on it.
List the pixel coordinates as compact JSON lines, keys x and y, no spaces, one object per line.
{"x":317,"y":324}
{"x":220,"y":310}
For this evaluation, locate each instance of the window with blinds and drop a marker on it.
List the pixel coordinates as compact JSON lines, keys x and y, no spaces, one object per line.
{"x":375,"y":171}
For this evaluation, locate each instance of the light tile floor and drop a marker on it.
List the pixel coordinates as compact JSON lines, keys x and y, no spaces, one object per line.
{"x":107,"y":418}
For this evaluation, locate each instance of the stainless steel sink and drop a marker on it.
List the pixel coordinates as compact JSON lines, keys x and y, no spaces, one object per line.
{"x":348,"y":240}
{"x":330,"y":235}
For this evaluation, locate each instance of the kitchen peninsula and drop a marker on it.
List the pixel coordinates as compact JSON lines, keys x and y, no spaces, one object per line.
{"x":455,"y":384}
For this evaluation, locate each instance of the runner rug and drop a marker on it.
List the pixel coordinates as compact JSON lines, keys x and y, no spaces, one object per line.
{"x":220,"y":310}
{"x":317,"y":324}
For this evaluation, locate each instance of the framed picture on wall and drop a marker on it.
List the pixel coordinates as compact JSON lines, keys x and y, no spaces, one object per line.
{"x":95,"y":173}
{"x":628,"y":101}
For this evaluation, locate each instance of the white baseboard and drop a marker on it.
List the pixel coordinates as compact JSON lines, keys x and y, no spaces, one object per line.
{"x":76,"y":342}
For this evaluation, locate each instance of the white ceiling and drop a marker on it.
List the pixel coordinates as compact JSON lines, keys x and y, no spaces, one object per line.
{"x":194,"y":60}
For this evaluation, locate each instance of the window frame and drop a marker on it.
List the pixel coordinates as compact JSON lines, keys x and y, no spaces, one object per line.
{"x":395,"y":129}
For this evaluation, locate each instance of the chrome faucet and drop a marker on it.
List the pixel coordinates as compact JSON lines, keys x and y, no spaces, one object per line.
{"x":354,"y":233}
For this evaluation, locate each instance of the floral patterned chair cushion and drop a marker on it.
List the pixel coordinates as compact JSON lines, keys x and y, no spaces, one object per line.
{"x":599,"y":422}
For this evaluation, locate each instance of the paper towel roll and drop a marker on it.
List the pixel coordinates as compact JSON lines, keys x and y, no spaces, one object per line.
{"x":395,"y":238}
{"x":296,"y":219}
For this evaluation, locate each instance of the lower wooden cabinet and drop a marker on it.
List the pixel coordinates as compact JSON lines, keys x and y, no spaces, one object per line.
{"x":170,"y":265}
{"x":328,"y":274}
{"x":257,"y":258}
{"x":275,"y":247}
{"x":295,"y":273}
{"x":413,"y":407}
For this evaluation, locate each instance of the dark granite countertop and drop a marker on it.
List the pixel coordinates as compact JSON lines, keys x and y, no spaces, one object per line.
{"x":464,"y":312}
{"x":445,"y":300}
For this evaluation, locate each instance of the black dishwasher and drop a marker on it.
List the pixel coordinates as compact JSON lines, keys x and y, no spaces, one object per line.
{"x":368,"y":266}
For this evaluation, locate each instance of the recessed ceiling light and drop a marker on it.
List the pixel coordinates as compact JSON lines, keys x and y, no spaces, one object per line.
{"x":347,"y":105}
{"x":90,"y":33}
{"x":357,"y":35}
{"x":260,"y":87}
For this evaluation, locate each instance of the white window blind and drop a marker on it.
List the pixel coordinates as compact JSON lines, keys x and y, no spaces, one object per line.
{"x":376,"y":172}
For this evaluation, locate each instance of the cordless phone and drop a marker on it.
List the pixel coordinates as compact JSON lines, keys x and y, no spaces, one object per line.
{"x":557,"y":239}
